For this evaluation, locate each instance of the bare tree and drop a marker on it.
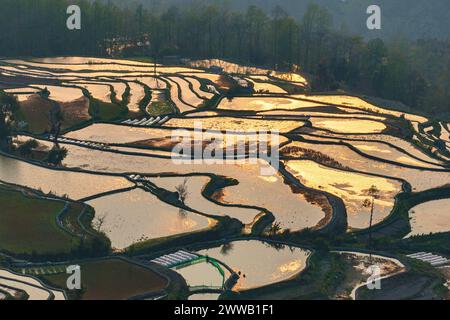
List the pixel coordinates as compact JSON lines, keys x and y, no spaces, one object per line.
{"x":274,"y":228}
{"x":100,"y":221}
{"x":373,"y":193}
{"x":226,"y":248}
{"x":182,"y":191}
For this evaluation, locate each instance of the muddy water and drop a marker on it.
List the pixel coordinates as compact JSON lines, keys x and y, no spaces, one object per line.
{"x":119,"y":88}
{"x":202,"y":274}
{"x":258,"y":263}
{"x":108,"y":133}
{"x":137,"y":215}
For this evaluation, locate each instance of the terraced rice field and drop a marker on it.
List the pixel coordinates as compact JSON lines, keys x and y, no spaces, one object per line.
{"x":195,"y":199}
{"x":265,"y":104}
{"x":32,"y":287}
{"x":29,"y":225}
{"x":254,"y":188}
{"x":348,"y":126}
{"x":351,"y":187}
{"x":114,"y":279}
{"x":187,"y":95}
{"x":235,"y":124}
{"x":135,"y":216}
{"x":137,"y":93}
{"x":101,"y":92}
{"x":430,"y":217}
{"x":257,"y":268}
{"x":419,"y":179}
{"x":145,"y":194}
{"x":62,"y":94}
{"x":73,"y":184}
{"x":358,"y":103}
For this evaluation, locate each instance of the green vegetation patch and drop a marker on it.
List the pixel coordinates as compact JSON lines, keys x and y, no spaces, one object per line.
{"x":160,"y":108}
{"x":107,"y":111}
{"x":112,"y":279}
{"x":28,"y":225}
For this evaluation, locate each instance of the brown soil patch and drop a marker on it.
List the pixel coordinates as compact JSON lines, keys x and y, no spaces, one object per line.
{"x":35,"y":112}
{"x":75,"y":112}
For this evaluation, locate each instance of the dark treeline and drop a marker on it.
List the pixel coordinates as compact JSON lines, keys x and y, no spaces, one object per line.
{"x":413,"y":19}
{"x":414,"y":72}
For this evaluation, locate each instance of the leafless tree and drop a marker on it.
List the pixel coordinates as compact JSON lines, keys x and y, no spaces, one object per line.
{"x":99,"y":222}
{"x":373,"y":193}
{"x":182,"y":191}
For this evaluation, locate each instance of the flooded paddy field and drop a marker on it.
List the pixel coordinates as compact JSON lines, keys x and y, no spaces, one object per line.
{"x":137,"y":215}
{"x":137,"y":93}
{"x":250,"y":259}
{"x":62,"y":94}
{"x":101,"y":92}
{"x":419,"y":179}
{"x":175,"y":96}
{"x":142,"y":195}
{"x":235,"y":124}
{"x":351,"y":187}
{"x":388,"y":140}
{"x":196,"y":200}
{"x":301,"y":209}
{"x":319,"y":112}
{"x":265,"y":104}
{"x":234,"y":68}
{"x":358,"y":103}
{"x":73,"y":184}
{"x":167,"y":138}
{"x":196,"y":85}
{"x":188,"y":96}
{"x":348,"y":125}
{"x":32,"y":287}
{"x":430,"y":217}
{"x":204,"y":296}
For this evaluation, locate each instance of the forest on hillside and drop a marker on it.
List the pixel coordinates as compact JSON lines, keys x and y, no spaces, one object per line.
{"x":401,"y":18}
{"x":415,"y":72}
